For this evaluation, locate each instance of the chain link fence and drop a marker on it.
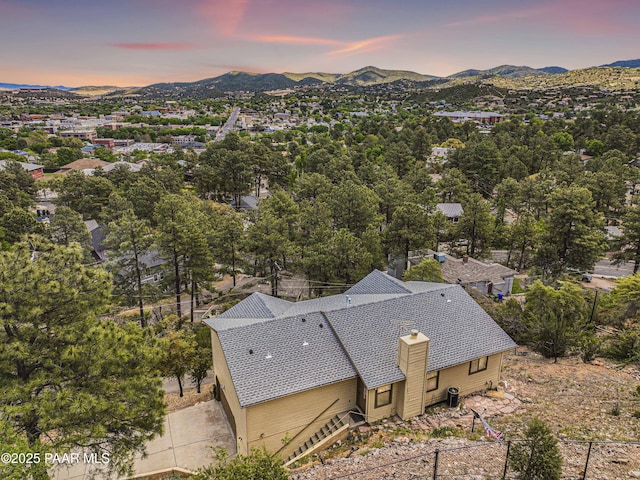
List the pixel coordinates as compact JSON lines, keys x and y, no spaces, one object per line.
{"x":582,"y":460}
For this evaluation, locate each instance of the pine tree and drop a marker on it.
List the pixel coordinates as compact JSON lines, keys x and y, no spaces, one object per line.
{"x":538,"y":458}
{"x":130,"y":241}
{"x":69,"y":379}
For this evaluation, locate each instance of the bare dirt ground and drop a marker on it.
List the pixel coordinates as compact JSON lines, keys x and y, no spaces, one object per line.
{"x":191,"y":397}
{"x":599,"y":283}
{"x":578,"y":401}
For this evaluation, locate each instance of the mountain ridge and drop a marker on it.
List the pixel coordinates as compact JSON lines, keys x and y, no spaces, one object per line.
{"x":624,"y":63}
{"x":262,"y":82}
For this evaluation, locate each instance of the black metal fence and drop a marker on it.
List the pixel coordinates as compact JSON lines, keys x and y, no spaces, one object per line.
{"x":582,"y":460}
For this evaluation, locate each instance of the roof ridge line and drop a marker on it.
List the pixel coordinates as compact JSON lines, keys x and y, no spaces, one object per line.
{"x":344,"y":349}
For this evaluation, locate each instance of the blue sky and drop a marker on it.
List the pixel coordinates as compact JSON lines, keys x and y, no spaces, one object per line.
{"x":138,"y":42}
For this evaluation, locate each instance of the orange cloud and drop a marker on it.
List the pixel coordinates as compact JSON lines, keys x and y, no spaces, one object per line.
{"x":344,"y":47}
{"x":365,"y":45}
{"x":154,"y":46}
{"x":293,"y":40}
{"x":227,"y":15}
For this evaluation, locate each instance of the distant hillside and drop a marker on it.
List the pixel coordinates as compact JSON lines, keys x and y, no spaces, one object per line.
{"x":47,"y":93}
{"x":257,"y":82}
{"x":262,"y":82}
{"x":168,"y":91}
{"x":601,"y":77}
{"x":323,"y":77}
{"x":507,"y":76}
{"x":18,"y":86}
{"x":91,"y":90}
{"x":510,"y":71}
{"x":374,"y":75}
{"x":625,"y":63}
{"x":553,"y":70}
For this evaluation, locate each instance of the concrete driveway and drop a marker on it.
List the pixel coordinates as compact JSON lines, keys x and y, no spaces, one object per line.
{"x":188,"y":437}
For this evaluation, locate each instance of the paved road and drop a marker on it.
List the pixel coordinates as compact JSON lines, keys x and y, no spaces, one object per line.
{"x":228,"y":126}
{"x":604,"y":267}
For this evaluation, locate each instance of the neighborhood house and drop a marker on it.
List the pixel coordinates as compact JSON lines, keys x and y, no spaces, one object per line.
{"x":288,"y":374}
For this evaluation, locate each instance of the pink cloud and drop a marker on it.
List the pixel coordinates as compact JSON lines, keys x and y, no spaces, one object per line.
{"x":154,"y":46}
{"x":226,"y":15}
{"x":236,"y":18}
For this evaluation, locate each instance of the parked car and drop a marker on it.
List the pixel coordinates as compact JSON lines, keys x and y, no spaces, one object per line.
{"x":584,"y":276}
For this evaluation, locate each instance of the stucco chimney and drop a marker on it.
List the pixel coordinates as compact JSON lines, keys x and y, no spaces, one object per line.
{"x":413,"y":353}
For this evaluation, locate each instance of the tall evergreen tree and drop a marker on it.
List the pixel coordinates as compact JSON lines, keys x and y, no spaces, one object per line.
{"x":268,"y":241}
{"x":410,"y":229}
{"x":130,"y":241}
{"x":67,"y":226}
{"x":476,"y":224}
{"x":573,"y":235}
{"x":69,"y":380}
{"x":181,"y":240}
{"x":628,"y":245}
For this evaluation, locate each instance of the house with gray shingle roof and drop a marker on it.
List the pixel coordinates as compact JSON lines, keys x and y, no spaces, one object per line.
{"x":295,"y":370}
{"x":488,"y":278}
{"x":453,"y":211}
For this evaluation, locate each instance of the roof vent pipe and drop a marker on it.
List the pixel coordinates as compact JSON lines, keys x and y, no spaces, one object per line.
{"x":348,"y":299}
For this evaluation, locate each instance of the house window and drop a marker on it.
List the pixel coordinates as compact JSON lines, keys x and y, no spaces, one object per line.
{"x":478,"y":365}
{"x":433,"y":378}
{"x":383,"y":396}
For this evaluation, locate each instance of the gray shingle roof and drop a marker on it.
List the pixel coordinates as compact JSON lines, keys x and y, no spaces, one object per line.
{"x":378,"y":282}
{"x":257,"y":305}
{"x":337,"y":302}
{"x":459,"y":331}
{"x":293,"y":367}
{"x":359,"y":339}
{"x":451,"y":210}
{"x":25,"y":165}
{"x":455,"y":270}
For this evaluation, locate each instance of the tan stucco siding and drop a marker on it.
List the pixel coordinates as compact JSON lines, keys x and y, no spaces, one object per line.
{"x":270,"y":422}
{"x":458,"y":376}
{"x":221,"y":370}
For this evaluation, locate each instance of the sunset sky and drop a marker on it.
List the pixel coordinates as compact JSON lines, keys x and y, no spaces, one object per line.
{"x":139,"y":42}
